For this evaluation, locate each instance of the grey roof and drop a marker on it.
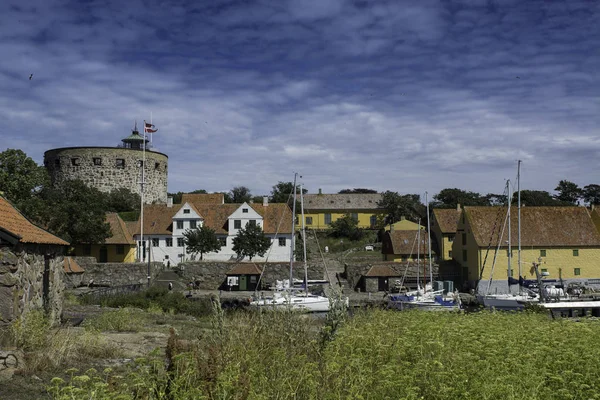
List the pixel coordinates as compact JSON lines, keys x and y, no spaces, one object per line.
{"x":354,"y":201}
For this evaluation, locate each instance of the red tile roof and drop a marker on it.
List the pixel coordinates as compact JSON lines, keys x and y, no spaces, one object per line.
{"x":540,"y":226}
{"x":383,"y":270}
{"x":120,"y":233}
{"x":405,"y":242}
{"x":245,"y":269}
{"x":203,"y":198}
{"x":12,"y":221}
{"x":447,"y":219}
{"x":277,"y":217}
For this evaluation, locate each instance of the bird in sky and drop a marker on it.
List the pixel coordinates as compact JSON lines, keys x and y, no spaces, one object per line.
{"x":30,"y":76}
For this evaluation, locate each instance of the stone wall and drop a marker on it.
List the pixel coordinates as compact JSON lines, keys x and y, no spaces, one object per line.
{"x":107,"y":176}
{"x":22,"y":279}
{"x":212,"y":275}
{"x":113,"y":274}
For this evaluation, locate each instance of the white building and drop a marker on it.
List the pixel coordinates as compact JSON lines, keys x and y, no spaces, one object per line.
{"x":164,"y":226}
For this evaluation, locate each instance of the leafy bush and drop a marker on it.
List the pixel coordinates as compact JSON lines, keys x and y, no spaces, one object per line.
{"x":30,"y":331}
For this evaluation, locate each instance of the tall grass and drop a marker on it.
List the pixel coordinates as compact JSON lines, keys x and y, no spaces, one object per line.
{"x":376,"y":355}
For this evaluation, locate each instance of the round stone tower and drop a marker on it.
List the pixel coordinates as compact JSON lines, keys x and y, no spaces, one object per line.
{"x":109,"y":168}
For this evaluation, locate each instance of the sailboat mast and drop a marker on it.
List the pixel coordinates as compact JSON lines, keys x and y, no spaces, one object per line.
{"x":429,"y":242}
{"x":292,"y":247}
{"x":418,"y":248}
{"x":509,"y":242}
{"x":303,"y":239}
{"x":519,"y":215}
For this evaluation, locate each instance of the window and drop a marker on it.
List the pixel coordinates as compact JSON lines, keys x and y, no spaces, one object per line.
{"x":179,"y":224}
{"x":512,"y":272}
{"x":193,"y":224}
{"x":575,"y":253}
{"x":252,"y":222}
{"x":120,"y":249}
{"x":97,"y":161}
{"x":544,"y":269}
{"x":327,"y":219}
{"x":308,"y":220}
{"x":169,"y":242}
{"x":140,"y":163}
{"x":237,"y":224}
{"x":464,"y":255}
{"x":451,"y":238}
{"x":373,"y":220}
{"x":180,"y":242}
{"x":245,"y":210}
{"x":577,"y":271}
{"x":156,"y":166}
{"x":57,"y":162}
{"x":464,"y":239}
{"x":75,"y":161}
{"x":354,"y":216}
{"x":281,"y":241}
{"x":223,"y":241}
{"x":120,"y":163}
{"x":542,"y":253}
{"x":155,"y":242}
{"x":186,"y":211}
{"x":450,"y":254}
{"x":87,"y":250}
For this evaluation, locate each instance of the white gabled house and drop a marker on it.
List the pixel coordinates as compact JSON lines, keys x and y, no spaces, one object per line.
{"x":164,"y":226}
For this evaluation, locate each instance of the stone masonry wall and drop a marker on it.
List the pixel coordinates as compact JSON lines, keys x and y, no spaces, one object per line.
{"x":107,"y":176}
{"x":115,"y":274}
{"x":212,"y":275}
{"x":22,"y":280}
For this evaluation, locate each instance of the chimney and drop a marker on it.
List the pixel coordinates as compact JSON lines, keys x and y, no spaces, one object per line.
{"x":458,"y":206}
{"x":320,"y":192}
{"x":402,"y":218}
{"x":169,"y":201}
{"x":265,"y":201}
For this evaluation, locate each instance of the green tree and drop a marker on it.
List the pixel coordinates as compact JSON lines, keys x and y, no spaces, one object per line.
{"x":591,"y":194}
{"x":240,"y":194}
{"x":357,"y":190}
{"x":495,"y":199}
{"x":568,"y":192}
{"x":251,"y":241}
{"x":346,"y":227}
{"x":176,"y":197}
{"x":396,"y":206}
{"x":451,"y":197}
{"x":75,"y":212}
{"x":283,"y":192}
{"x":20,"y":176}
{"x":257,"y":199}
{"x":199,"y":191}
{"x":537,"y":198}
{"x":122,"y":200}
{"x":201,"y":240}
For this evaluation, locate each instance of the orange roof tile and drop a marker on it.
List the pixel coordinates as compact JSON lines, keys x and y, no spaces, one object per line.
{"x":120,"y":233}
{"x":12,"y":221}
{"x":277,"y":217}
{"x":71,"y":266}
{"x":540,"y":226}
{"x":245,"y":269}
{"x":447,"y":219}
{"x":203,"y":198}
{"x":383,"y":270}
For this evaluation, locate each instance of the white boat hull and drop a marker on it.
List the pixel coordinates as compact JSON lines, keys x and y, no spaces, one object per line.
{"x":310,"y":303}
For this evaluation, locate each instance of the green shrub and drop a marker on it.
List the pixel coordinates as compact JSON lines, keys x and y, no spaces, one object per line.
{"x":30,"y":331}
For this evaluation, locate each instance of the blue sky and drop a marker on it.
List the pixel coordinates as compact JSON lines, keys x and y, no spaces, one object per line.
{"x":409,"y":96}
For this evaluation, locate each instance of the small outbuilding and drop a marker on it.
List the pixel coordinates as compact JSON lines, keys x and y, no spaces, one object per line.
{"x":243,"y":277}
{"x":379,"y":278}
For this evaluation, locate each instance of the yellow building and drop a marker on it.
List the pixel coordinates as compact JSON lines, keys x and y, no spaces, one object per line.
{"x":320,"y":210}
{"x":404,"y":225}
{"x":119,"y":248}
{"x":402,"y":246}
{"x":443,"y":229}
{"x":563,"y":240}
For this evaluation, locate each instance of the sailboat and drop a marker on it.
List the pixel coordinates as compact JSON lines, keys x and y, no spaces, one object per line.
{"x":289,"y":299}
{"x":427,"y":298}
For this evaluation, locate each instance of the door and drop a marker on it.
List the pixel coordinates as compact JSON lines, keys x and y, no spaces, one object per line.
{"x":103,"y":255}
{"x":243,"y":282}
{"x":382,"y":285}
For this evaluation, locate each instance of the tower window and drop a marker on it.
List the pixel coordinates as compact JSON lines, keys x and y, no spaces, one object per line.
{"x":97,"y":161}
{"x":120,"y":163}
{"x":57,"y":162}
{"x":156,"y":166}
{"x":75,"y":161}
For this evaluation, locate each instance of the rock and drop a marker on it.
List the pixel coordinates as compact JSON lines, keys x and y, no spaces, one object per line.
{"x":8,"y":258}
{"x":11,"y":361}
{"x":8,"y":280}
